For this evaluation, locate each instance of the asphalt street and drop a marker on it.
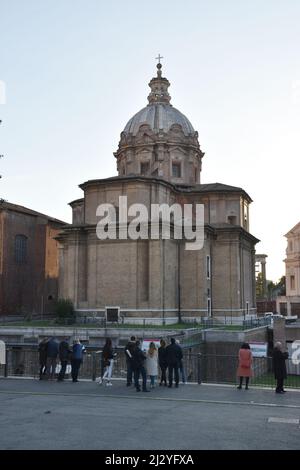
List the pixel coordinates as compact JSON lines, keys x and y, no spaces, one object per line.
{"x":55,"y":416}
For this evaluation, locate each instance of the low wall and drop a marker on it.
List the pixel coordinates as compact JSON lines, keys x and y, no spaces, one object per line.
{"x":97,"y":336}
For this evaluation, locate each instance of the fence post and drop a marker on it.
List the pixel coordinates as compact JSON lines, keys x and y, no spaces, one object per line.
{"x":199,"y":371}
{"x":93,"y":366}
{"x":6,"y":363}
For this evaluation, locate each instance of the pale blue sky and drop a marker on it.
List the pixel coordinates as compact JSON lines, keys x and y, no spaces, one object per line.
{"x":77,"y":70}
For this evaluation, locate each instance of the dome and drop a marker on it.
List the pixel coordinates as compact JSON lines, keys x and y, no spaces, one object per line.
{"x":159,"y":141}
{"x":159,"y":116}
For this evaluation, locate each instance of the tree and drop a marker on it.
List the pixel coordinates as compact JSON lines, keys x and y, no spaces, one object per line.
{"x":281,"y":285}
{"x":276,"y":289}
{"x":260,"y":288}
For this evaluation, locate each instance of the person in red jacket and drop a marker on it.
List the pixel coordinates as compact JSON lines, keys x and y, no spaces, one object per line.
{"x":245,"y":365}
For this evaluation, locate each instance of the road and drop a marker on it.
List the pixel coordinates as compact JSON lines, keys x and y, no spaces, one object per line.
{"x":49,"y":415}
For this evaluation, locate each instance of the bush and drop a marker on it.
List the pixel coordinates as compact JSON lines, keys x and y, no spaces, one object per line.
{"x":65,"y":313}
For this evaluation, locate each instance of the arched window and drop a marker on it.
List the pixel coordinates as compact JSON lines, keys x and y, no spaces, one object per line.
{"x":21,"y":249}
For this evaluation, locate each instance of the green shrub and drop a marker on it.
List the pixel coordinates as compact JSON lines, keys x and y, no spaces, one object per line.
{"x":65,"y":313}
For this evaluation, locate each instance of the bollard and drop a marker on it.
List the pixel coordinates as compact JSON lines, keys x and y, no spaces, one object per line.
{"x":199,"y":368}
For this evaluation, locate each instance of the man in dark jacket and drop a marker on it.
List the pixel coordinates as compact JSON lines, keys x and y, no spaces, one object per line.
{"x":129,"y":348}
{"x":52,"y":352}
{"x":138,"y":361}
{"x":43,"y":357}
{"x":163,"y":362}
{"x":174,"y":356}
{"x":279,"y":358}
{"x":77,"y":356}
{"x":63,"y":353}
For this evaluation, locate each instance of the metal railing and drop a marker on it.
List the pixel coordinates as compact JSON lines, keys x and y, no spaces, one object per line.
{"x":220,"y":321}
{"x":234,"y":322}
{"x":23,"y":361}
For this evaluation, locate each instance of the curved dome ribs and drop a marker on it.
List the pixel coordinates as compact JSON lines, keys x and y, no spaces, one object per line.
{"x":160,"y":141}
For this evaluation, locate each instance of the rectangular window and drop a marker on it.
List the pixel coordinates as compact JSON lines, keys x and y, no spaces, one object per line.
{"x":232,"y":219}
{"x":176,"y":170}
{"x":21,"y":249}
{"x":295,"y":308}
{"x":144,"y":168}
{"x":292,"y":282}
{"x":208,"y":267}
{"x":245,"y":216}
{"x":283,"y":308}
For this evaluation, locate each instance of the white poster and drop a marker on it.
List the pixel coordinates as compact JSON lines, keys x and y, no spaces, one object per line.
{"x":259,"y":349}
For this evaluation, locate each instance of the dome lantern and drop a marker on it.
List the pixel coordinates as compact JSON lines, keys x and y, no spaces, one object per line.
{"x":159,"y":88}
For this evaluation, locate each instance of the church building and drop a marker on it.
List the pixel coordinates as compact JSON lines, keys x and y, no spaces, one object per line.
{"x":290,"y":303}
{"x":159,"y":161}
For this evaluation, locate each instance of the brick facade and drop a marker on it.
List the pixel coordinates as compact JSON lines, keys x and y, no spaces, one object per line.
{"x":155,"y":278}
{"x":28,"y":285}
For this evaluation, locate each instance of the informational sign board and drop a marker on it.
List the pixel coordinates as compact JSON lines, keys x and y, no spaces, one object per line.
{"x":112,"y":314}
{"x":146,"y":343}
{"x":259,"y":349}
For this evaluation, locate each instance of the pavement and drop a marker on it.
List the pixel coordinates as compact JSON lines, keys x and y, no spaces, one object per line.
{"x":47,"y":415}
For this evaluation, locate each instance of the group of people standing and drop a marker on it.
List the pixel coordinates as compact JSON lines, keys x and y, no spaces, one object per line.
{"x":147,"y":363}
{"x":50,"y":350}
{"x":245,"y":366}
{"x":165,"y":361}
{"x":142,"y":364}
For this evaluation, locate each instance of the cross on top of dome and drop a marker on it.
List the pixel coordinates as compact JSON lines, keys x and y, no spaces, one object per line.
{"x":159,"y":66}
